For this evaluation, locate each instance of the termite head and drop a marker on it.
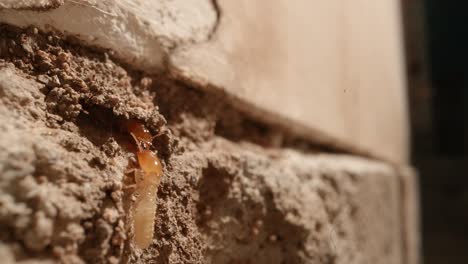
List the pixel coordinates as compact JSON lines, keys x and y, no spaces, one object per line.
{"x":148,"y":160}
{"x":140,"y":133}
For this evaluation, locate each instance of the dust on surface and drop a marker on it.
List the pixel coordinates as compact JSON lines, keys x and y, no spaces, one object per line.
{"x":230,"y":193}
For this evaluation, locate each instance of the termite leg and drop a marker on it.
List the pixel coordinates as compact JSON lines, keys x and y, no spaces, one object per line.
{"x":139,"y":176}
{"x":136,"y":141}
{"x":129,"y":187}
{"x":160,"y":133}
{"x":130,"y":171}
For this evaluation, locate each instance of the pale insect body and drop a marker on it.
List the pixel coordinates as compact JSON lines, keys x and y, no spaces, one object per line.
{"x":147,"y":183}
{"x":144,"y":214}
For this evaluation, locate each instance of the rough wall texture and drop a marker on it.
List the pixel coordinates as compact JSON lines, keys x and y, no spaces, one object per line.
{"x":30,"y":4}
{"x":335,"y":67}
{"x":234,"y":190}
{"x":139,"y":32}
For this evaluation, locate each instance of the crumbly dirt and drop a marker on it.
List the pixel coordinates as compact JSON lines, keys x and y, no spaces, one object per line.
{"x":233,"y":191}
{"x":31,"y":4}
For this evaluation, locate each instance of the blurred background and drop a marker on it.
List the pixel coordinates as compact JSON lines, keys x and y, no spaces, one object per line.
{"x":437,"y":63}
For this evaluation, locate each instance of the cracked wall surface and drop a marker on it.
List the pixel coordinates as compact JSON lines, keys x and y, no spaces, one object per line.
{"x":138,"y":32}
{"x":336,"y":74}
{"x":234,"y":190}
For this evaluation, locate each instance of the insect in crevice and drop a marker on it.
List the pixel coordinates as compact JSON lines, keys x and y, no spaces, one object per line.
{"x":147,"y":180}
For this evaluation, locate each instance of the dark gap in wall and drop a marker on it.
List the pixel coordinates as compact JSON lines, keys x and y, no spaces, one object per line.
{"x":437,"y":62}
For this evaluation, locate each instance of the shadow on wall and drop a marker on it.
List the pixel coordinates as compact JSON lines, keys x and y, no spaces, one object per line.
{"x":437,"y":63}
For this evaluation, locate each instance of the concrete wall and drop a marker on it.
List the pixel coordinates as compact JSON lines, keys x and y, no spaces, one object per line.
{"x":283,"y":131}
{"x":331,"y":72}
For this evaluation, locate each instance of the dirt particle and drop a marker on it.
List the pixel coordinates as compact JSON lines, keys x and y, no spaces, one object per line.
{"x":40,"y":234}
{"x":64,"y":101}
{"x":63,"y":57}
{"x":273,"y":238}
{"x":110,"y":215}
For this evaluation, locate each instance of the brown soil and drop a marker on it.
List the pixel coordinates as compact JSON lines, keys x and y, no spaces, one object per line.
{"x":231,"y":192}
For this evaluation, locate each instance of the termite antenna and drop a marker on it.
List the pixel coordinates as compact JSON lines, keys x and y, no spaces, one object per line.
{"x":160,"y":133}
{"x":136,"y":141}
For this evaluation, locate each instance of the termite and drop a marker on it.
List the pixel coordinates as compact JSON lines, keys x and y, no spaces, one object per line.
{"x":147,"y":179}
